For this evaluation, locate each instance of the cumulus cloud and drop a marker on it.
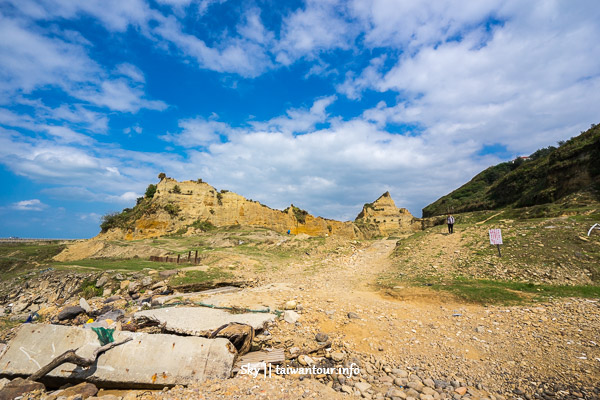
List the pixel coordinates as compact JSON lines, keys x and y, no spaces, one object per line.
{"x":318,"y":26}
{"x":297,"y":120}
{"x":29,"y":205}
{"x":525,"y":87}
{"x":35,"y":59}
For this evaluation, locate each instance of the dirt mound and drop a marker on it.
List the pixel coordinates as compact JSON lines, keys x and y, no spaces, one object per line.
{"x":103,"y":249}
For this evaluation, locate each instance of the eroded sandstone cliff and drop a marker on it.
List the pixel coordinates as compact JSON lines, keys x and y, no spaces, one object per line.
{"x":188,"y":206}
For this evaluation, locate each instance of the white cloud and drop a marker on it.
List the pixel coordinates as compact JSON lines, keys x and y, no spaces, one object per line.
{"x":120,"y":96}
{"x":528,"y":86}
{"x":131,"y":71}
{"x":237,"y":55}
{"x":32,"y":60}
{"x":29,"y":205}
{"x":199,"y":132}
{"x":319,"y":26}
{"x":297,"y":120}
{"x":125,"y":198}
{"x":415,"y":23}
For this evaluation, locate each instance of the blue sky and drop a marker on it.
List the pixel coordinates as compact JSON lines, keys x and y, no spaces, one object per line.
{"x":325,"y":104}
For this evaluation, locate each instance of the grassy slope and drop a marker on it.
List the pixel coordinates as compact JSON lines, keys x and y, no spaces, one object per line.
{"x":572,"y":167}
{"x":541,"y":258}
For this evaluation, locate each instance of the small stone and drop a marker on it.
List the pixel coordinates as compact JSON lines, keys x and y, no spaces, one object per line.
{"x":18,"y":386}
{"x":395,"y":392}
{"x":400,"y":382}
{"x":337,"y":356}
{"x":168,"y":273}
{"x":441,"y":384}
{"x":291,"y":317}
{"x":429,"y":382}
{"x":353,"y":315}
{"x":305,"y":360}
{"x":400,"y":373}
{"x":480,"y":329}
{"x":124,"y":284}
{"x":428,"y":390}
{"x":418,"y":386}
{"x":321,"y":337}
{"x":85,"y":305}
{"x":84,"y":390}
{"x":111,"y":299}
{"x":290,"y":305}
{"x":101,"y":281}
{"x":109,"y":397}
{"x":461,"y":390}
{"x":362,"y":386}
{"x":70,"y":313}
{"x":112,"y":315}
{"x":133,"y":287}
{"x":347,"y":389}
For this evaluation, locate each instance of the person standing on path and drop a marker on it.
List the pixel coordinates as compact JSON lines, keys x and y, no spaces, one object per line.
{"x":450,"y":222}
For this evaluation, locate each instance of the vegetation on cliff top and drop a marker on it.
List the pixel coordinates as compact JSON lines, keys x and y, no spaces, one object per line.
{"x":547,"y":176}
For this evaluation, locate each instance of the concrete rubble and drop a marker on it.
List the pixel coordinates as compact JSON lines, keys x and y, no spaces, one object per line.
{"x":148,"y":361}
{"x":200,"y":321}
{"x":187,"y":296}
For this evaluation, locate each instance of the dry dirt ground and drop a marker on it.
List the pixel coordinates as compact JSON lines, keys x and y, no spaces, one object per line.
{"x":500,"y":347}
{"x":541,"y":349}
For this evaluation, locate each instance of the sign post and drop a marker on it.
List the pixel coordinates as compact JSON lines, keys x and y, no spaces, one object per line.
{"x":496,"y":238}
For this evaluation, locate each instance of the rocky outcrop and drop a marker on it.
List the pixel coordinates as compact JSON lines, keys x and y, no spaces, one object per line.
{"x":387,"y":218}
{"x":186,"y":206}
{"x":189,"y":206}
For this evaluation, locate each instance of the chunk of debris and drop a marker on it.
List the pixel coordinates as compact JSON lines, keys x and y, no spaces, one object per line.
{"x":70,"y":313}
{"x":259,"y":360}
{"x":200,"y":321}
{"x":291,"y":317}
{"x":147,"y":361}
{"x":17,"y":387}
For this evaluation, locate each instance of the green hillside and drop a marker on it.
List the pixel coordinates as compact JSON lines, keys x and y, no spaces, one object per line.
{"x":549,"y":175}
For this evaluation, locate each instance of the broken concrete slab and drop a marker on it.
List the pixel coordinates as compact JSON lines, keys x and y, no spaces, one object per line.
{"x":147,"y":361}
{"x":187,"y":296}
{"x":200,"y":321}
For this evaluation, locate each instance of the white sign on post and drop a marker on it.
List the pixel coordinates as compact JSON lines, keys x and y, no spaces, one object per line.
{"x":495,"y":236}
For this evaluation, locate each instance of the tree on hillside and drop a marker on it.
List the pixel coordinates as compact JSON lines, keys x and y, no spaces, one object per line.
{"x":150,"y":191}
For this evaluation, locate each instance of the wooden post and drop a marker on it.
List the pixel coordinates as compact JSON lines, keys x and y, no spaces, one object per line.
{"x":178,"y":256}
{"x":196,"y":258}
{"x":499,"y":254}
{"x":189,"y":256}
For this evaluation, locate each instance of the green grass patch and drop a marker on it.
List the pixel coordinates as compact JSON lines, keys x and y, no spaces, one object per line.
{"x":483,"y":291}
{"x":132,"y":264}
{"x":89,"y":289}
{"x":16,"y":258}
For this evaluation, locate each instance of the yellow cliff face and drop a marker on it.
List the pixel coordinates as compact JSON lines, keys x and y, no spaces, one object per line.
{"x":177,"y":205}
{"x":182,"y":207}
{"x":390,"y":219}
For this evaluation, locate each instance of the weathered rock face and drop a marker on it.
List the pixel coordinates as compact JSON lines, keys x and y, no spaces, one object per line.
{"x":388,"y":218}
{"x":178,"y":205}
{"x":184,"y":207}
